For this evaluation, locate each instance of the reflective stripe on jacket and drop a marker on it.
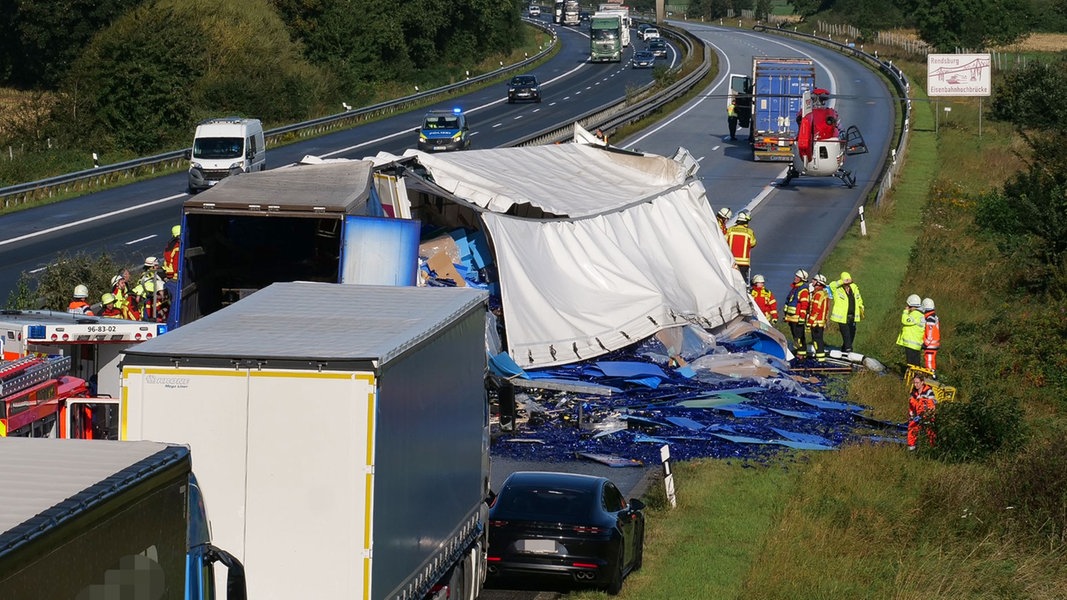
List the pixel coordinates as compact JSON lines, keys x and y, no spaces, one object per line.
{"x":741,"y":240}
{"x":839,"y":312}
{"x":796,"y":303}
{"x":911,"y":334}
{"x":932,"y":332}
{"x":819,"y":303}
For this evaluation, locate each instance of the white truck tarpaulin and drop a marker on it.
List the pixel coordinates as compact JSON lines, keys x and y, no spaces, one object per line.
{"x":635,"y":247}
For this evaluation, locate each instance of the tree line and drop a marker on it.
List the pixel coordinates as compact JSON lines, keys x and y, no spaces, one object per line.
{"x":136,"y":74}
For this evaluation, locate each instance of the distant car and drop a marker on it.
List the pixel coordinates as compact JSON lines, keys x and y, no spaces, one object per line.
{"x":535,"y":10}
{"x":650,"y":33}
{"x":444,"y":130}
{"x":565,"y":525}
{"x":524,"y":88}
{"x":583,"y":15}
{"x":658,"y":47}
{"x":641,"y":27}
{"x":643,"y":59}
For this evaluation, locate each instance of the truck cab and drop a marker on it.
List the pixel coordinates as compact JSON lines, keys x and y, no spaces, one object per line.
{"x":444,"y":130}
{"x":224,"y":147}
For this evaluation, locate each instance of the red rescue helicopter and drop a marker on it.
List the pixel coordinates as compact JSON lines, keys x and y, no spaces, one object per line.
{"x":821,"y":143}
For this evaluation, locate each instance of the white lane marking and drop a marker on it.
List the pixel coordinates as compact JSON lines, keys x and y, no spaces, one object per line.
{"x":35,"y":271}
{"x":702,"y":158}
{"x":90,"y":219}
{"x":497,"y":125}
{"x":147,"y":237}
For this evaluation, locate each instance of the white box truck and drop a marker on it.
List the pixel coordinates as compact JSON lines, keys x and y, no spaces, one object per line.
{"x":105,"y":519}
{"x":339,"y":432}
{"x":223,"y":147}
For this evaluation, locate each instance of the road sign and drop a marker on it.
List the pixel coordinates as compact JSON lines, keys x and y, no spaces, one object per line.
{"x":958,"y":75}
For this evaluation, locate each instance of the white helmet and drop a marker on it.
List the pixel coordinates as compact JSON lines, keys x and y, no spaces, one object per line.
{"x":743,"y":217}
{"x":151,"y":261}
{"x":914,"y":301}
{"x":725,"y":213}
{"x":819,"y":279}
{"x":801,"y":274}
{"x":80,"y":291}
{"x":758,"y":279}
{"x":115,"y":280}
{"x":928,"y":304}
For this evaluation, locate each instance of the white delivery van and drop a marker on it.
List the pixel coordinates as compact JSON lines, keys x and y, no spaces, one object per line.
{"x":224,"y":147}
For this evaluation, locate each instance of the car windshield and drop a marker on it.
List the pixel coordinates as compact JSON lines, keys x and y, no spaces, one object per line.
{"x":657,"y":45}
{"x":643,"y":55}
{"x":216,"y":147}
{"x":441,"y":122}
{"x":605,"y":34}
{"x":541,"y":503}
{"x":524,"y":80}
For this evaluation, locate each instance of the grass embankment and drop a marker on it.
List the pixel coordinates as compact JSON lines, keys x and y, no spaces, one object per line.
{"x":876,"y":522}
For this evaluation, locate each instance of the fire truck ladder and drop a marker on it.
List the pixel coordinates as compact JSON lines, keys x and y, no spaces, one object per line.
{"x":24,"y":373}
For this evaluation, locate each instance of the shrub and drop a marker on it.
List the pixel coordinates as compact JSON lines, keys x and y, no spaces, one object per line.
{"x":976,"y":429}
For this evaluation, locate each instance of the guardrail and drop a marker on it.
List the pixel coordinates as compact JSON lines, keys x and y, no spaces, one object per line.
{"x":617,"y":113}
{"x":895,"y":160}
{"x":25,"y":193}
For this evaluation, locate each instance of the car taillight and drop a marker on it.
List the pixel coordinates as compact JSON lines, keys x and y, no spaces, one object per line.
{"x":498,"y":523}
{"x":582,"y":565}
{"x":492,"y":559}
{"x":586,"y":529}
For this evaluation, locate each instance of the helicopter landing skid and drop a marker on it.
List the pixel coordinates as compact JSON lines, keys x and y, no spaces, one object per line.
{"x":790,"y":173}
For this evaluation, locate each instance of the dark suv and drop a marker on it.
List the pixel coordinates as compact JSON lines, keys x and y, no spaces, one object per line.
{"x":524,"y":88}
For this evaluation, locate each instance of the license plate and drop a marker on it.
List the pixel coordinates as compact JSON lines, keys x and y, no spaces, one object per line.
{"x":539,"y":546}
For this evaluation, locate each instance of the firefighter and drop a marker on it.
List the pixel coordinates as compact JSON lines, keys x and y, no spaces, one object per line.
{"x":78,"y":305}
{"x":817,"y":312}
{"x":723,"y":216}
{"x":742,"y":240}
{"x":171,"y":252}
{"x":931,"y":335}
{"x":796,"y":312}
{"x":911,"y":331}
{"x":150,"y":271}
{"x":847,"y":309}
{"x":731,"y":119}
{"x":921,"y":405}
{"x":765,"y":300}
{"x":110,"y":309}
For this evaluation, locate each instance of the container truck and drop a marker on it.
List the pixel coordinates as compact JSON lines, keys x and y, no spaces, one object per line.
{"x":624,"y":19}
{"x":99,"y":519}
{"x":311,"y":222}
{"x":605,"y":38}
{"x":571,"y":11}
{"x":339,"y":432}
{"x":771,"y":105}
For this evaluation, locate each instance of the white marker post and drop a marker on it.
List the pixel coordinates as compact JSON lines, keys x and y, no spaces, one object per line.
{"x":863,"y":223}
{"x":668,"y":477}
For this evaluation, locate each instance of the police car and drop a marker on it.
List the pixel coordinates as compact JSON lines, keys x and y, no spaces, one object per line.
{"x":444,"y":130}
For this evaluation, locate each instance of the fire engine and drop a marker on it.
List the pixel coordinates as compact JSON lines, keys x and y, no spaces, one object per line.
{"x":59,"y":373}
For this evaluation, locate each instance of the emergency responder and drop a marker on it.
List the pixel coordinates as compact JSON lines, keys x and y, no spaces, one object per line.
{"x":723,"y":216}
{"x":110,"y":309}
{"x":817,"y":312}
{"x":847,"y":309}
{"x":78,"y":305}
{"x":931,"y":335}
{"x":765,"y":299}
{"x":150,"y":271}
{"x":921,"y":405}
{"x":170,"y":253}
{"x":796,"y":312}
{"x":911,"y":331}
{"x":742,"y":240}
{"x":731,"y":119}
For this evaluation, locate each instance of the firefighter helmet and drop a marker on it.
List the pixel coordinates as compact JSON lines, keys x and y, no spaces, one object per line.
{"x":151,"y":261}
{"x":725,"y":213}
{"x":107,"y":298}
{"x":115,"y":280}
{"x":80,"y":291}
{"x":819,"y":279}
{"x":758,"y":279}
{"x":743,"y":217}
{"x":928,"y":304}
{"x":801,"y":274}
{"x":914,"y":301}
{"x":176,"y":231}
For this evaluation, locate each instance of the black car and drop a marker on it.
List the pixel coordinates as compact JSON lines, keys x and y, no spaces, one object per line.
{"x":658,"y":47}
{"x":565,"y":525}
{"x":524,"y":87}
{"x":643,"y":59}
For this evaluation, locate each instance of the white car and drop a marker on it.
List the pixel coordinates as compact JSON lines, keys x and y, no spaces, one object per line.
{"x":650,"y":33}
{"x":535,"y":10}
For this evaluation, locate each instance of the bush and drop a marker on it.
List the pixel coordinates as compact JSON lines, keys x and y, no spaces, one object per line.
{"x":976,"y":429}
{"x":1033,"y":483}
{"x":54,"y":286}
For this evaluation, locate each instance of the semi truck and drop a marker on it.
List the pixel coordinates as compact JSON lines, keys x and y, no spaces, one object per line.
{"x":571,"y":13}
{"x":769,"y":100}
{"x":624,"y":19}
{"x":340,"y":434}
{"x":605,"y":37}
{"x":105,"y":519}
{"x":310,"y":222}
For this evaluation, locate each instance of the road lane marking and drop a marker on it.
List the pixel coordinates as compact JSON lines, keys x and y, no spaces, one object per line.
{"x":90,"y":219}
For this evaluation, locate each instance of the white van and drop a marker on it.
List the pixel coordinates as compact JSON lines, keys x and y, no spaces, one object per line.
{"x":224,"y":147}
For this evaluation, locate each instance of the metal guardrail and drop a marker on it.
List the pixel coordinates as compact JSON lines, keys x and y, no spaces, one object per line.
{"x":25,"y":193}
{"x":895,"y":160}
{"x":620,"y":112}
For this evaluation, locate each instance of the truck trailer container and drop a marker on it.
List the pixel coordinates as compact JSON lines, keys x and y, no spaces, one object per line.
{"x":775,"y":95}
{"x":99,"y":519}
{"x":340,"y":434}
{"x":311,"y":222}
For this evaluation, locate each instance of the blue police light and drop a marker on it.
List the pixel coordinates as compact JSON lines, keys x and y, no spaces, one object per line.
{"x":457,"y":110}
{"x":36,"y":332}
{"x":160,"y":330}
